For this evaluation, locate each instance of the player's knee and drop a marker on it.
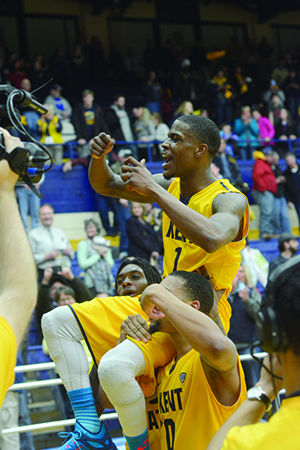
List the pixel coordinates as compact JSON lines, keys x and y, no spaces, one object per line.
{"x":118,"y":380}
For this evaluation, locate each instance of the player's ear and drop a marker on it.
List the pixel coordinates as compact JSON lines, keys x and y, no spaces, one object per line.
{"x":201,"y":150}
{"x":195,"y":304}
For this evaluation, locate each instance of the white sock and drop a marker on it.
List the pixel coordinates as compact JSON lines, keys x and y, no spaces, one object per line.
{"x":117,"y":371}
{"x":63,"y":337}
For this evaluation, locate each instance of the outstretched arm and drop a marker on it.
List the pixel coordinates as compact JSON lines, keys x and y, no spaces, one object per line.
{"x":18,"y":281}
{"x":106,"y":182}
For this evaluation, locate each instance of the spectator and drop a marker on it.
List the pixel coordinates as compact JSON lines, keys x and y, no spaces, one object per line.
{"x":29,"y":117}
{"x":245,"y":303}
{"x":280,"y":73}
{"x":161,"y":129}
{"x":221,"y":92}
{"x":247,"y":130}
{"x":17,"y":74}
{"x":63,"y":110}
{"x":143,"y":242}
{"x":292,"y":91}
{"x":29,"y":203}
{"x":285,"y":130}
{"x":229,"y":167}
{"x":49,"y":128}
{"x":274,"y":89}
{"x":152,"y":92}
{"x":292,"y":184}
{"x":185,"y":108}
{"x":274,"y":109}
{"x":119,"y":122}
{"x":50,"y":245}
{"x":255,"y":265}
{"x":143,"y":128}
{"x":288,"y":247}
{"x":95,"y":258}
{"x":281,"y":213}
{"x":88,"y":122}
{"x":266,"y":128}
{"x":263,"y":191}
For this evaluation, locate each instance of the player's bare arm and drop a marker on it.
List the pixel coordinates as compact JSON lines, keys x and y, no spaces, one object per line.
{"x":106,"y":182}
{"x":218,"y":353}
{"x":208,"y":233}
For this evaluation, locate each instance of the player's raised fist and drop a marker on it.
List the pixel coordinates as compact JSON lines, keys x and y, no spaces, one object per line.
{"x":101,"y":145}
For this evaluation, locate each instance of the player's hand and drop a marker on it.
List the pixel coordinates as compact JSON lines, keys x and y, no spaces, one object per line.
{"x":135,"y":327}
{"x":101,"y":145}
{"x":148,"y":301}
{"x":8,"y":178}
{"x":266,"y":381}
{"x":137,"y":177}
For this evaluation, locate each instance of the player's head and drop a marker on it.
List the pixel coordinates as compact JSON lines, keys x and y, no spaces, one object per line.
{"x":192,"y":289}
{"x":134,"y":275}
{"x":192,"y":140}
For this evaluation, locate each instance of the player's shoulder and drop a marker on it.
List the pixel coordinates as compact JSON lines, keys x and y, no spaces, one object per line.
{"x":231,"y":201}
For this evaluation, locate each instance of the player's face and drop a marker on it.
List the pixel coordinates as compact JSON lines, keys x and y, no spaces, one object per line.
{"x":175,"y":286}
{"x":131,"y":281}
{"x":178,"y":151}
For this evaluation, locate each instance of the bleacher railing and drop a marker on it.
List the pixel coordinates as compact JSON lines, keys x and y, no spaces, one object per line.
{"x":58,"y":424}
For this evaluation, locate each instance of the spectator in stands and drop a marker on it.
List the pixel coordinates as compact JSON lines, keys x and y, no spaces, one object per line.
{"x":88,"y":121}
{"x":185,"y":108}
{"x":229,"y":167}
{"x":274,"y":109}
{"x":269,"y":94}
{"x":281,"y":213}
{"x":120,"y":123}
{"x":29,"y":203}
{"x":247,"y":130}
{"x":152,"y":92}
{"x":29,"y":117}
{"x":245,"y":302}
{"x":266,"y":128}
{"x":292,"y":91}
{"x":255,"y":265}
{"x":161,"y":129}
{"x":143,"y":128}
{"x":17,"y":74}
{"x":288,"y":247}
{"x":292,"y":184}
{"x":221,"y":92}
{"x":50,"y":283}
{"x":63,"y":110}
{"x":146,"y":246}
{"x":264,"y":190}
{"x":285,"y":130}
{"x":50,"y":245}
{"x":95,"y":258}
{"x":49,"y":128}
{"x":280,"y":73}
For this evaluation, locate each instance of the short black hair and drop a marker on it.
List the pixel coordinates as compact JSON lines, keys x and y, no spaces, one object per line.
{"x":197,"y":288}
{"x":205,"y":130}
{"x":151,"y":273}
{"x":287,"y":307}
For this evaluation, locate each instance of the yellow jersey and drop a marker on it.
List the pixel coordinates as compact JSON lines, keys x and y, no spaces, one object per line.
{"x":8,"y":357}
{"x":186,"y":414}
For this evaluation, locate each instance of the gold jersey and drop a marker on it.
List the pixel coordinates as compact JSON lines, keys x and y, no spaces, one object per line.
{"x":185,"y":413}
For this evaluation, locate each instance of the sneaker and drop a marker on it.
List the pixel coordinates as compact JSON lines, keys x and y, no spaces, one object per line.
{"x":81,"y":439}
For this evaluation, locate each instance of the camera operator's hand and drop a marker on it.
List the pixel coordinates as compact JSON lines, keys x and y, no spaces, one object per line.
{"x":8,"y":178}
{"x":101,"y":145}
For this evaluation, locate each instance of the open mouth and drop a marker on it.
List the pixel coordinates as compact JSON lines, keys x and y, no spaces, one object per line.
{"x":168,"y":159}
{"x":128,"y":292}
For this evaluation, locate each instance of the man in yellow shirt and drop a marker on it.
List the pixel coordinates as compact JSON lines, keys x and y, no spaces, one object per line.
{"x":279,"y":332}
{"x":204,"y":383}
{"x":17,"y":275}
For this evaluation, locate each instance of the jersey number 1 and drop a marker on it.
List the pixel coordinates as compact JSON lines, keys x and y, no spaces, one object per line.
{"x":178,"y":251}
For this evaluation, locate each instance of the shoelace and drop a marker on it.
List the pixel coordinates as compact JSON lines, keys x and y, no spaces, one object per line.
{"x":68,"y":435}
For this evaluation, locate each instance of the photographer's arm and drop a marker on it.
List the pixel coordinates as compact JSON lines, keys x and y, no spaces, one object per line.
{"x":18,"y":281}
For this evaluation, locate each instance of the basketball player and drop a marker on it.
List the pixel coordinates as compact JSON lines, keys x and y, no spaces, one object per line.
{"x":17,"y":275}
{"x":204,"y":384}
{"x":205,"y":222}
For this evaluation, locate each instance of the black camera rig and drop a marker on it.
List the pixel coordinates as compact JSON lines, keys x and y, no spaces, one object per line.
{"x":30,"y":161}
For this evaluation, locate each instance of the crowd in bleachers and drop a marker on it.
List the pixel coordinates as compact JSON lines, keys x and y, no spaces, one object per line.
{"x":255,"y":102}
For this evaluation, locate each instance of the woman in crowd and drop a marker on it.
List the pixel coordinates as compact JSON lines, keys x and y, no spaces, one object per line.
{"x":143,"y":242}
{"x":95,"y":258}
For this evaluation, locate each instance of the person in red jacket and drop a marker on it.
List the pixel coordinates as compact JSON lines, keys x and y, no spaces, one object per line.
{"x":264,"y":190}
